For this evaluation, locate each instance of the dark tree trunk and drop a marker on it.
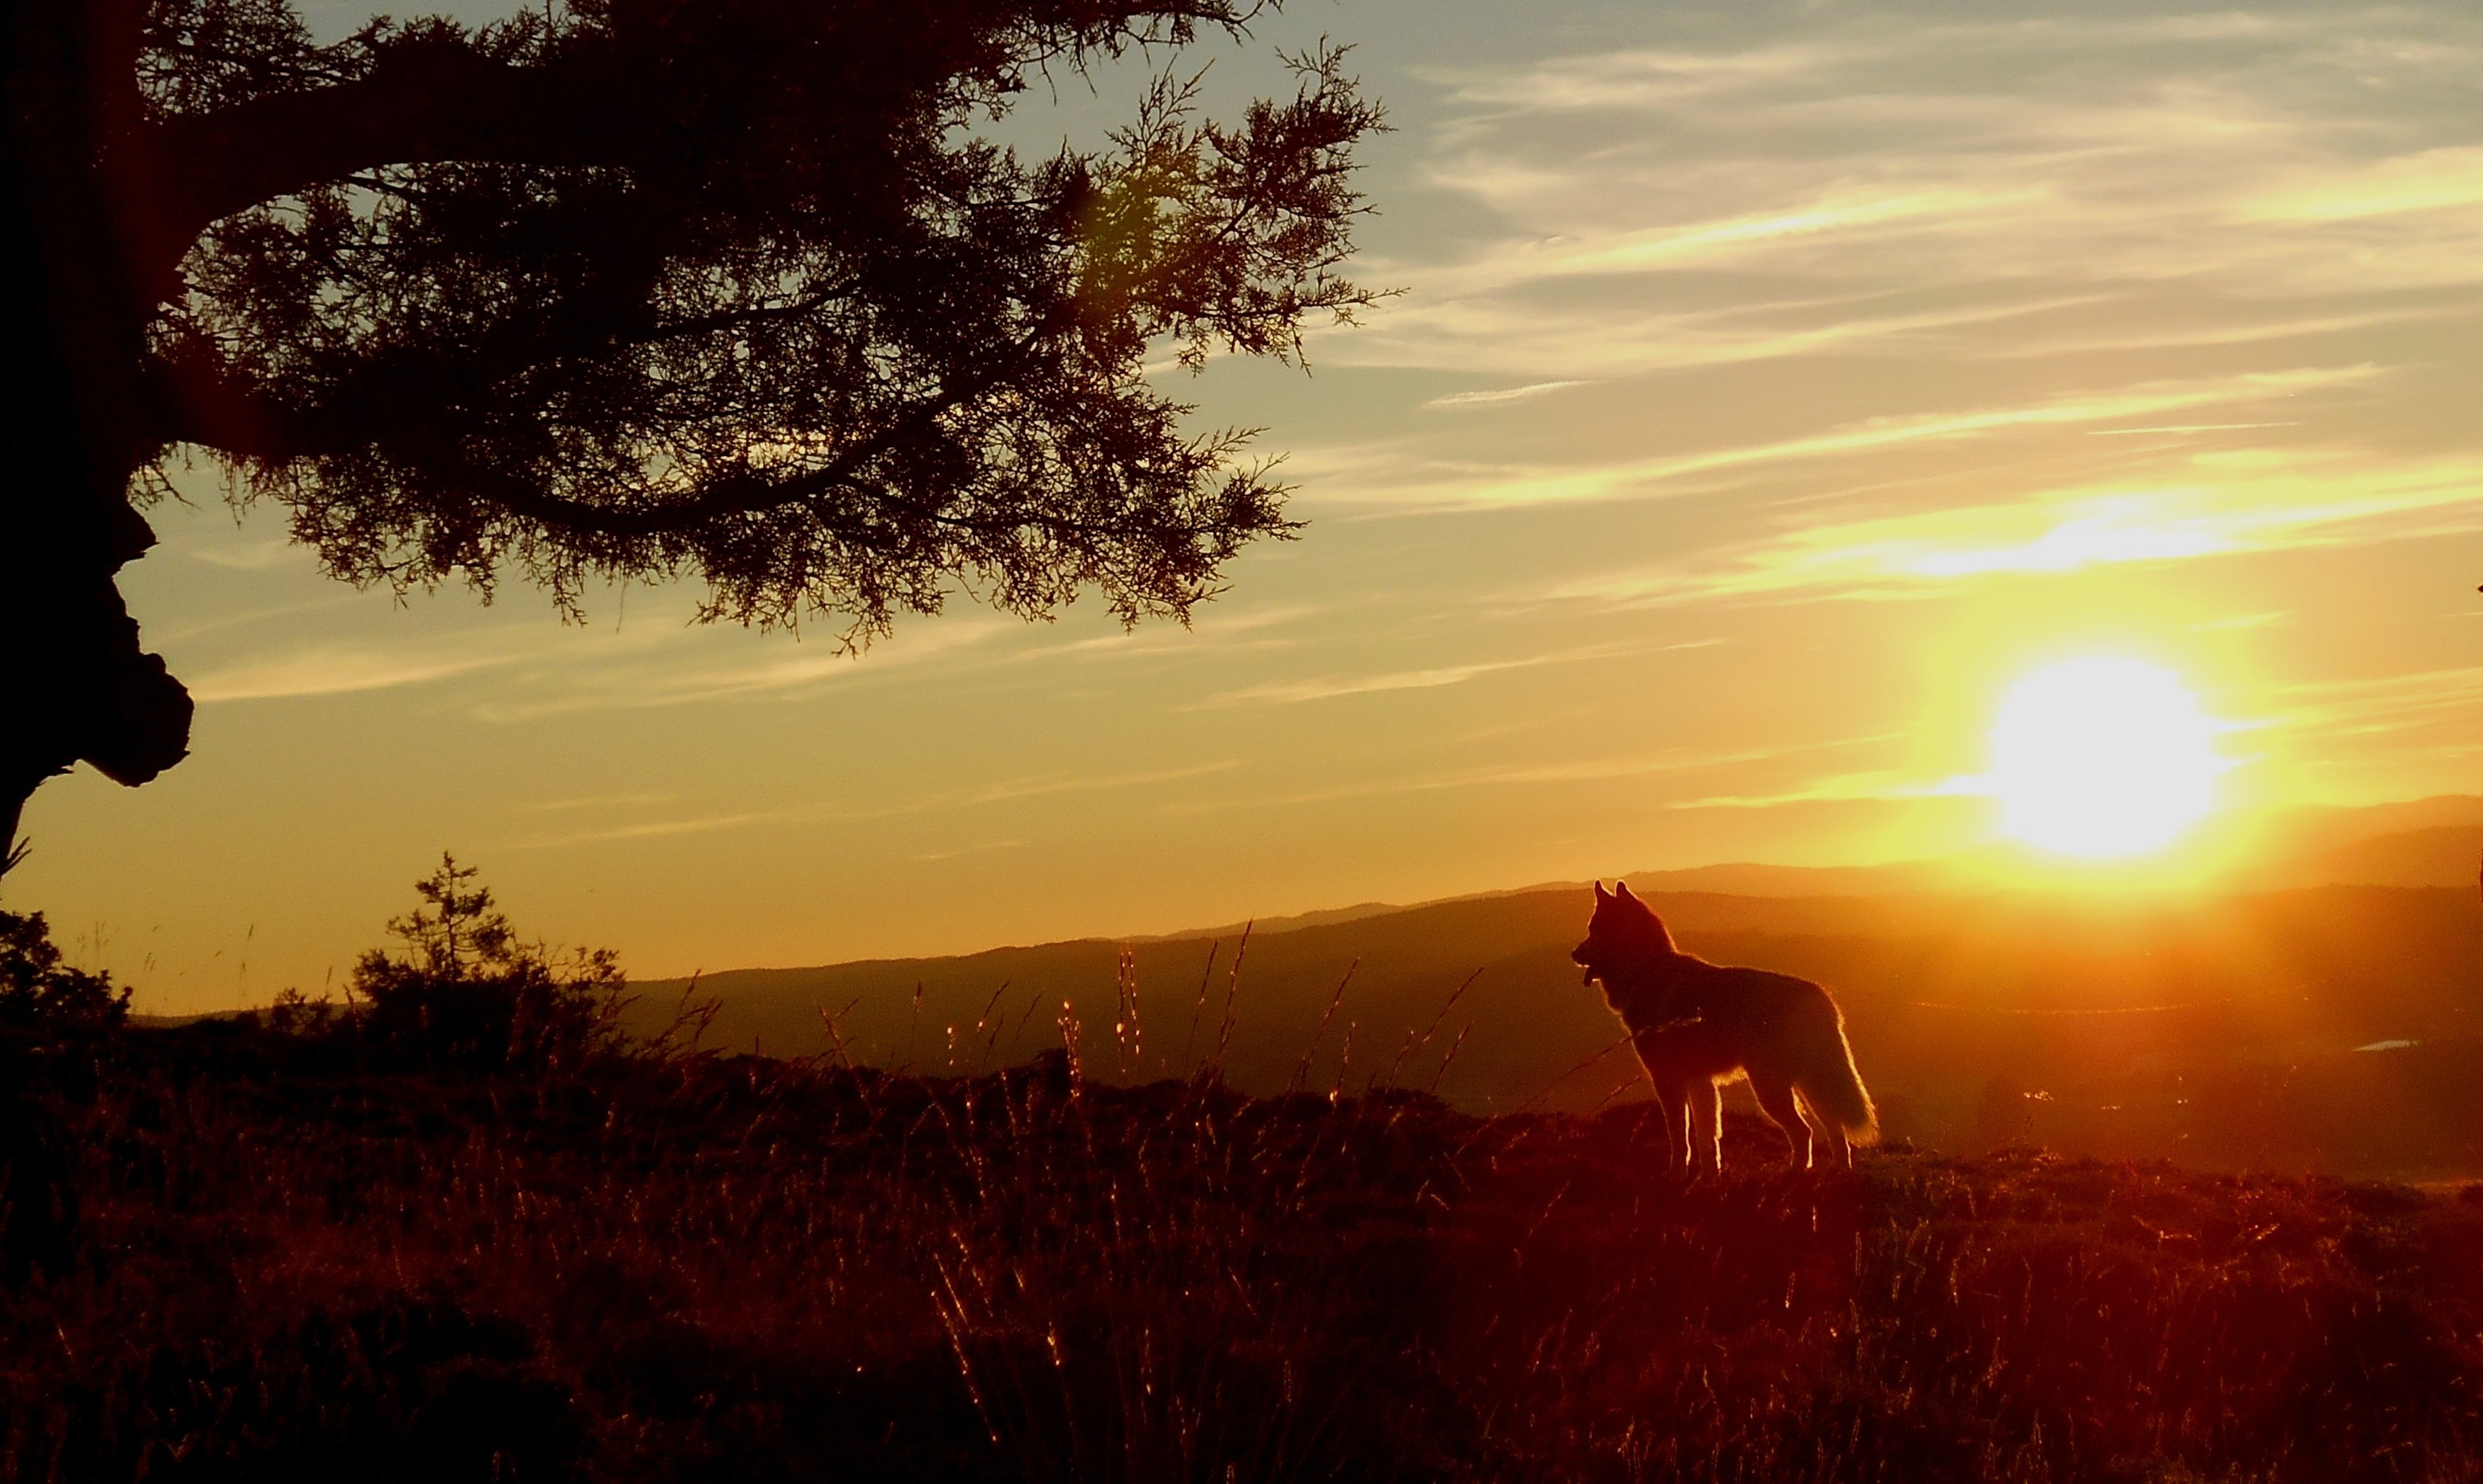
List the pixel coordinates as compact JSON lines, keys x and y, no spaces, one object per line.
{"x":74,"y":684}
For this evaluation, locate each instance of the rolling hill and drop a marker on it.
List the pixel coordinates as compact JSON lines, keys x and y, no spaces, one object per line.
{"x":2221,"y":1027}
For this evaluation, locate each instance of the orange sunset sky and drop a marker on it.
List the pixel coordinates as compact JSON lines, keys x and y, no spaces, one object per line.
{"x":1773,"y":387}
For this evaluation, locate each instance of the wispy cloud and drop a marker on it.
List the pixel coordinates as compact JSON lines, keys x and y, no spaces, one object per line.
{"x":2161,"y":337}
{"x":673,"y":672}
{"x":1219,"y":630}
{"x":1504,"y":394}
{"x":986,"y":847}
{"x":1650,"y":77}
{"x":1519,"y":336}
{"x":551,"y":669}
{"x":2427,"y":180}
{"x":2232,"y":506}
{"x":2257,"y":169}
{"x":2367,"y":705}
{"x":1044,"y":785}
{"x":939,"y":801}
{"x":188,"y":632}
{"x":266,"y":554}
{"x":2184,"y":429}
{"x":607,"y":801}
{"x":1841,"y":212}
{"x":336,"y":670}
{"x":1638,"y":477}
{"x":1549,"y":773}
{"x":656,"y":829}
{"x":1287,"y":692}
{"x":705,"y":667}
{"x":1329,"y":687}
{"x":1846,"y":788}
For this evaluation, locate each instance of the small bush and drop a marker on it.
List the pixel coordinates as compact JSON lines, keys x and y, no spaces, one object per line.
{"x":44,"y":1004}
{"x":41,"y":993}
{"x":465,"y":991}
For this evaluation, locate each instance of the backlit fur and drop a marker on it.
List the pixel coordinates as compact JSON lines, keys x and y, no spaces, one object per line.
{"x":1695,"y":1024}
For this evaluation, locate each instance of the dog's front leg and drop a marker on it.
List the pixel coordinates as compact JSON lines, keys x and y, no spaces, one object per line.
{"x":1672,"y":1115}
{"x":1706,"y":1125}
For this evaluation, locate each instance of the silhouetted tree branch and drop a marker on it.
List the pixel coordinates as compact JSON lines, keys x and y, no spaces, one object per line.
{"x":628,"y":288}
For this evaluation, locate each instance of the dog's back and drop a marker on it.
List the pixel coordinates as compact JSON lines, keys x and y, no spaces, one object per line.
{"x":1776,"y":1027}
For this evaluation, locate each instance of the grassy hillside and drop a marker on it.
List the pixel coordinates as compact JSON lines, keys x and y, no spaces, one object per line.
{"x":2218,"y":1029}
{"x":239,"y":1255}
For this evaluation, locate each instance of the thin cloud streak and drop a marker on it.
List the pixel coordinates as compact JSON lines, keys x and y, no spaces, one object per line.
{"x":672,"y":678}
{"x":935,"y":855}
{"x":2184,"y":429}
{"x":2233,"y":507}
{"x":255,"y":556}
{"x":652,"y":830}
{"x":1504,"y":395}
{"x":2210,"y":337}
{"x":1587,"y":771}
{"x":1517,"y":337}
{"x":1325,"y":688}
{"x":188,"y":633}
{"x":1842,"y":214}
{"x":1848,"y":788}
{"x":598,"y":801}
{"x":1643,"y":477}
{"x":2429,"y":181}
{"x":1059,"y":784}
{"x":2373,"y":705}
{"x":1288,"y":692}
{"x":333,"y":670}
{"x":2272,"y":164}
{"x":962,"y":798}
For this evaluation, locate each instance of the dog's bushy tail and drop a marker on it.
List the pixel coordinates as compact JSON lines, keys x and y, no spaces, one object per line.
{"x":1838,"y":1091}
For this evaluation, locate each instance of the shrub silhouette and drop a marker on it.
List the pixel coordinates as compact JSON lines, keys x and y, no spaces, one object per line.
{"x":43,"y":1003}
{"x":466,"y":991}
{"x":38,"y":993}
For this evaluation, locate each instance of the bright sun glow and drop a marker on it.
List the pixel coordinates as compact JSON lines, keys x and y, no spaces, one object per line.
{"x":2102,"y":758}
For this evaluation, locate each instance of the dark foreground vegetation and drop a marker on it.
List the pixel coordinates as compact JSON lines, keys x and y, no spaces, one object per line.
{"x":246,"y":1251}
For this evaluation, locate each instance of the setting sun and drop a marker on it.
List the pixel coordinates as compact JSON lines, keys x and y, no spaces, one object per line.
{"x":2102,"y":758}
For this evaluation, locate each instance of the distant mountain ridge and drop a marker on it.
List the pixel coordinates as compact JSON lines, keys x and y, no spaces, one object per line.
{"x":2102,"y":1007}
{"x":1947,"y":997}
{"x":2314,"y":828}
{"x":2420,"y":842}
{"x":2442,"y":856}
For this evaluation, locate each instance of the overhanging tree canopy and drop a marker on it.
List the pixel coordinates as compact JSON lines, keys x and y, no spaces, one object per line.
{"x":718,"y":288}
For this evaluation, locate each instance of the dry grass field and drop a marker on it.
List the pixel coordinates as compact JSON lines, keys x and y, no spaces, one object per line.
{"x":243,"y":1252}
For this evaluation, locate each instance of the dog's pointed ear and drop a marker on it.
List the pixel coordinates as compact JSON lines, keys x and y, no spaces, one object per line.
{"x":1601,"y":895}
{"x":1620,"y":889}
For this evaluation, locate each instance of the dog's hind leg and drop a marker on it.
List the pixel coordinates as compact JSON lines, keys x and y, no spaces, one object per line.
{"x":1777,"y":1100}
{"x":1840,"y":1152}
{"x":1671,"y":1108}
{"x":1706,"y":1125}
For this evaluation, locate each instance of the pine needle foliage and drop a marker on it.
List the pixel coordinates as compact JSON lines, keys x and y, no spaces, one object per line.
{"x":739,"y":291}
{"x":741,"y":294}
